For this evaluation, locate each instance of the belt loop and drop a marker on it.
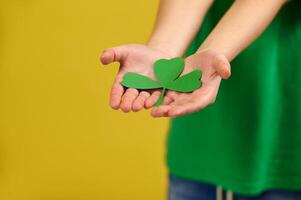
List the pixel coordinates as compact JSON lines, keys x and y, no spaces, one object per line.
{"x":219,"y":193}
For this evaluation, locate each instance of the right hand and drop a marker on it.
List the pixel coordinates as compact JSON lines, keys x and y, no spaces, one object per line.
{"x":132,"y":58}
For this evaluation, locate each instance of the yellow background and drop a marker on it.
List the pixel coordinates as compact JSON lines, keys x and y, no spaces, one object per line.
{"x":59,"y":140}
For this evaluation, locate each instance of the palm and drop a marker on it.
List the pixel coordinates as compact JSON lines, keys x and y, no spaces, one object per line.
{"x":132,"y":58}
{"x":140,"y":60}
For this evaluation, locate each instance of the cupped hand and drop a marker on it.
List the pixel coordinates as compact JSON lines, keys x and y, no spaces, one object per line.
{"x":214,"y":67}
{"x":132,"y":58}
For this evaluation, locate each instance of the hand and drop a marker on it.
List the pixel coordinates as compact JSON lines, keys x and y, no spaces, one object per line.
{"x":132,"y":58}
{"x":214,"y":67}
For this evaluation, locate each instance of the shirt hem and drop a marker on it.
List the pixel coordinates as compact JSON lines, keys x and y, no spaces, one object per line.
{"x":241,"y":187}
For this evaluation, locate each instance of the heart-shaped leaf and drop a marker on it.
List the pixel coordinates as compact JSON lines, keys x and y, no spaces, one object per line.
{"x":167,"y":70}
{"x":187,"y":83}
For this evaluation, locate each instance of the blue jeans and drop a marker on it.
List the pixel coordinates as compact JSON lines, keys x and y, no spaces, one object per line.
{"x":183,"y":189}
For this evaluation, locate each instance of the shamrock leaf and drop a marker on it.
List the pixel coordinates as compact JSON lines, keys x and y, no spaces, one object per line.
{"x":187,"y":83}
{"x":132,"y":80}
{"x":167,"y":72}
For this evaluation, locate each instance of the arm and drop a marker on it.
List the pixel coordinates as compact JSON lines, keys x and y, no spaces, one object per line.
{"x":177,"y":23}
{"x":241,"y":25}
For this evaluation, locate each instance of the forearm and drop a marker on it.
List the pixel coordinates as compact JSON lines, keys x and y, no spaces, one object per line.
{"x":177,"y":23}
{"x":241,"y":25}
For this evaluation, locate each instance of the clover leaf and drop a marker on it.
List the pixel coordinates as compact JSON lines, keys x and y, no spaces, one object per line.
{"x":167,"y":72}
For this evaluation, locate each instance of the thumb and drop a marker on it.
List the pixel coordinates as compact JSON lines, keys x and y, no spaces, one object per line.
{"x":113,"y":54}
{"x":222,"y":66}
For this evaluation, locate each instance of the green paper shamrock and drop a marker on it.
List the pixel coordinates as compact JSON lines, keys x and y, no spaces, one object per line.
{"x":167,"y":71}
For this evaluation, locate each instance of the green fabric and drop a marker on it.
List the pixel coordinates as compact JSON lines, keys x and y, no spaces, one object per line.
{"x":249,"y":141}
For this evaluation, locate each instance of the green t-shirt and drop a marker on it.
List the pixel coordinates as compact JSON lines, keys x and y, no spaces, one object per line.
{"x":249,"y":140}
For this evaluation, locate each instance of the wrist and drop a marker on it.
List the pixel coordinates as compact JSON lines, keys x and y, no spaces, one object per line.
{"x":218,"y":51}
{"x":164,"y":47}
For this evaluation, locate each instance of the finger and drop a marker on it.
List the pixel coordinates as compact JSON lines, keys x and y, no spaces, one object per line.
{"x":128,"y":99}
{"x":171,"y":94}
{"x":190,"y":107}
{"x":139,"y":101}
{"x":179,"y":110}
{"x":167,"y":100}
{"x":116,"y":93}
{"x":113,"y":54}
{"x":160,"y":111}
{"x":222,"y":66}
{"x":150,"y":101}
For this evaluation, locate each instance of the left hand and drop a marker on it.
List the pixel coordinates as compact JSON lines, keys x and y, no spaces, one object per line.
{"x":214,"y":67}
